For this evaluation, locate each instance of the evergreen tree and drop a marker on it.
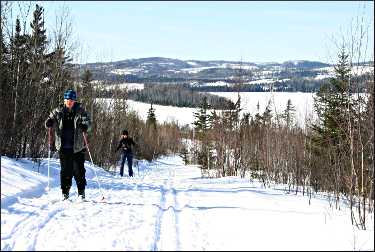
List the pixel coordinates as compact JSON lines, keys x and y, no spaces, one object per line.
{"x":87,"y":93}
{"x":232,"y":115}
{"x":289,"y":113}
{"x":151,"y":117}
{"x":201,"y":127}
{"x":39,"y":37}
{"x":20,"y":73}
{"x":201,"y":123}
{"x":333,"y":102}
{"x":184,"y":154}
{"x":5,"y":95}
{"x":38,"y":86}
{"x":86,"y":78}
{"x":330,"y":137}
{"x":267,"y":115}
{"x":257,"y":118}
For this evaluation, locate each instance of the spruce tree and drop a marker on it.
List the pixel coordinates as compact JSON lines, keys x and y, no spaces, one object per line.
{"x":39,"y":37}
{"x":257,"y":118}
{"x":201,"y":127}
{"x":201,"y":123}
{"x":333,"y":102}
{"x":289,"y":114}
{"x":20,"y":73}
{"x":267,"y":115}
{"x":5,"y":96}
{"x":87,"y":92}
{"x":151,"y":118}
{"x":330,"y":137}
{"x":39,"y":86}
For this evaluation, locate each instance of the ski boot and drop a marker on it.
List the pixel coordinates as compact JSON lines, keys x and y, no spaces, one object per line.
{"x":81,"y":194}
{"x":65,"y":196}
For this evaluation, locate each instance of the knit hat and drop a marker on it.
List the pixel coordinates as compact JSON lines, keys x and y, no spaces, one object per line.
{"x":70,"y":95}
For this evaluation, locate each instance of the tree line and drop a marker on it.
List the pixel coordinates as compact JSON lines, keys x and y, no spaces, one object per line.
{"x":35,"y":72}
{"x":335,"y":154}
{"x":176,"y":95}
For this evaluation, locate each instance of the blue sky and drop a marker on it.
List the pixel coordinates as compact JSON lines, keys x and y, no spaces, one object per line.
{"x":213,"y":30}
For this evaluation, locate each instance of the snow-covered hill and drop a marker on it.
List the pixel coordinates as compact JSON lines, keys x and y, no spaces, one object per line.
{"x":289,"y":74}
{"x":154,"y":68}
{"x":166,"y":206}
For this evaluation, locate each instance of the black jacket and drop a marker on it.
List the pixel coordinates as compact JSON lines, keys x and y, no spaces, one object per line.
{"x":57,"y":120}
{"x":126,"y":144}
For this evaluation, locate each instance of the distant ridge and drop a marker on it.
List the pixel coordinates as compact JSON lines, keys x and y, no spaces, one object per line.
{"x":169,"y":70}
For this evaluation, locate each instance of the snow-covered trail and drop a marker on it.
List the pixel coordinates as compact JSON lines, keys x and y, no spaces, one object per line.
{"x":135,"y":215}
{"x":168,"y":206}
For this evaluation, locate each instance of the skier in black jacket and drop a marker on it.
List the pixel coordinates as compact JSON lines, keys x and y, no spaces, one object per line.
{"x":125,"y":144}
{"x":69,"y":121}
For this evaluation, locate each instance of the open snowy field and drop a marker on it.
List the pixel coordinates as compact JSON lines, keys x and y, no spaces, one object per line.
{"x":166,"y":206}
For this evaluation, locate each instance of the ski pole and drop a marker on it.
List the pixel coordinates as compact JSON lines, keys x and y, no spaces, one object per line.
{"x":49,"y":153}
{"x":96,"y":176}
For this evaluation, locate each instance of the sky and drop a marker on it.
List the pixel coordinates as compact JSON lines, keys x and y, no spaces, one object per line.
{"x":255,"y":31}
{"x":167,"y":206}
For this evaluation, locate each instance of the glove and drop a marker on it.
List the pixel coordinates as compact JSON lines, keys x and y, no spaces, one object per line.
{"x":49,"y":123}
{"x":83,"y":127}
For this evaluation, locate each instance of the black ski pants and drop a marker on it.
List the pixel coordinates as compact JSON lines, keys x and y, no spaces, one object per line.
{"x":129,"y":157}
{"x":72,"y":165}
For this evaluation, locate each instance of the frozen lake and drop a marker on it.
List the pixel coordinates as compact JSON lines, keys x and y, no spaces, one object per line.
{"x":303,"y":103}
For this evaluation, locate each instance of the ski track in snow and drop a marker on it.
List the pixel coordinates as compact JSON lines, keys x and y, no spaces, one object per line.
{"x":39,"y":226}
{"x":170,"y":207}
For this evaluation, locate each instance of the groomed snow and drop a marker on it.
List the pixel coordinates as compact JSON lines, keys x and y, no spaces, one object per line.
{"x":166,"y":206}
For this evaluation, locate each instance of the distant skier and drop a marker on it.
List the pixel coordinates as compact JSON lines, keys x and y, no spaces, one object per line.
{"x":125,"y":144}
{"x":70,"y":121}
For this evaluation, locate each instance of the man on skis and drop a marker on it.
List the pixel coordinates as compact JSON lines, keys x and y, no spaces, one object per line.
{"x":125,"y":144}
{"x":70,"y":121}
